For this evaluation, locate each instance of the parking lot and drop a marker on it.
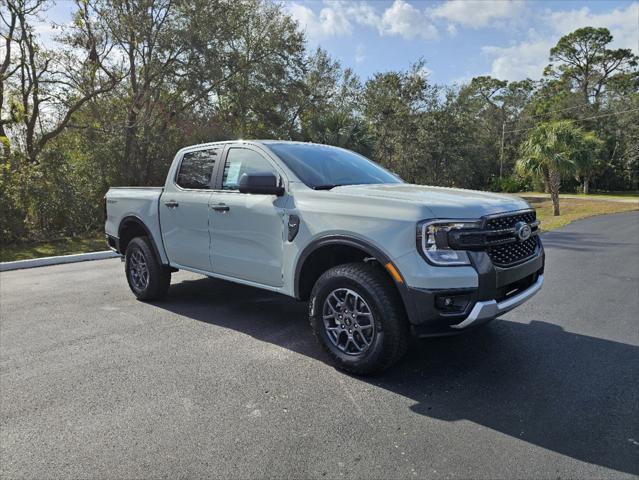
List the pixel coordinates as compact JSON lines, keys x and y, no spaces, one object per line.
{"x":226,"y":381}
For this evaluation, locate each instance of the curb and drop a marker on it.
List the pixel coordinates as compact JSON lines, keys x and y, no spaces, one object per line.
{"x":41,"y":262}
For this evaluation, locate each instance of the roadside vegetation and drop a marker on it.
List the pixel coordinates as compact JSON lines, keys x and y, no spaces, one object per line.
{"x":62,"y":246}
{"x":576,"y":209}
{"x":126,"y":84}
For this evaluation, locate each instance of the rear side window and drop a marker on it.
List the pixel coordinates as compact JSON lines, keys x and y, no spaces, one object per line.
{"x":196,"y":169}
{"x":240,"y":161}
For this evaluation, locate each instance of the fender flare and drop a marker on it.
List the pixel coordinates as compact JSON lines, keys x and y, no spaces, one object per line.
{"x":139,"y":222}
{"x":337,"y":239}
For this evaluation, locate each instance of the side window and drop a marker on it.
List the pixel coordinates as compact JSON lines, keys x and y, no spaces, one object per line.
{"x":240,"y":161}
{"x":196,"y":169}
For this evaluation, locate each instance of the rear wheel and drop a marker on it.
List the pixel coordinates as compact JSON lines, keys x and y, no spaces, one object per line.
{"x":148,"y":279}
{"x":357,"y":316}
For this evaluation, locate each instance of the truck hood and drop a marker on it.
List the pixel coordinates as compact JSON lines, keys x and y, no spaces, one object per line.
{"x":442,"y":202}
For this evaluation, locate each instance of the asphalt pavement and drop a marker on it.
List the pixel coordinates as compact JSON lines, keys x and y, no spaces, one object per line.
{"x":226,"y":381}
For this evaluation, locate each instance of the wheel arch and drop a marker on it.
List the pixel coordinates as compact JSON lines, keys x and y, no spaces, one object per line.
{"x":329,"y":251}
{"x":131,"y":227}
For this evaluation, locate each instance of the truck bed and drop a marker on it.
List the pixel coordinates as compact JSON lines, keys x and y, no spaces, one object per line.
{"x":135,"y":202}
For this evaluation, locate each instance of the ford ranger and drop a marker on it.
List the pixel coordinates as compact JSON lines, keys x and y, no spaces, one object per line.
{"x":376,"y":258}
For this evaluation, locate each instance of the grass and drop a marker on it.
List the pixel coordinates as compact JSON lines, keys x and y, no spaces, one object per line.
{"x":64,"y":246}
{"x":602,"y":196}
{"x":575,"y":209}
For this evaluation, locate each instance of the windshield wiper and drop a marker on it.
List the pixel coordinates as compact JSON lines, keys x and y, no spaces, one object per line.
{"x":329,"y":186}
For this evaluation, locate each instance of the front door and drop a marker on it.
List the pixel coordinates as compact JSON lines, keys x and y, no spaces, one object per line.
{"x":184,"y":210}
{"x":247,"y":230}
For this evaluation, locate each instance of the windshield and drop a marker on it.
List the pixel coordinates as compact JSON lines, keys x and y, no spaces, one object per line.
{"x":325,"y":167}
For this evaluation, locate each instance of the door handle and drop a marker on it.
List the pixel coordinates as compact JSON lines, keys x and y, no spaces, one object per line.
{"x":172,"y":204}
{"x":221,"y":207}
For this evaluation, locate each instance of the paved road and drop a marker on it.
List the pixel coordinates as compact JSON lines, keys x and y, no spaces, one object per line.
{"x":226,"y":381}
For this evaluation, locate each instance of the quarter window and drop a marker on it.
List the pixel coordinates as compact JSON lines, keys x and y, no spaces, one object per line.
{"x":240,"y":161}
{"x":196,"y":169}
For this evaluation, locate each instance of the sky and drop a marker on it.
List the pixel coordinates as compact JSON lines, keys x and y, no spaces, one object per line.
{"x":458,"y":39}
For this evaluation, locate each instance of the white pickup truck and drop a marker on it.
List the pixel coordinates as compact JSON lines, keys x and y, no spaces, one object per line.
{"x":378,"y":259}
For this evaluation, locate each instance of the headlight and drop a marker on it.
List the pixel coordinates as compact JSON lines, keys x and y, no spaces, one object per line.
{"x":432,"y":240}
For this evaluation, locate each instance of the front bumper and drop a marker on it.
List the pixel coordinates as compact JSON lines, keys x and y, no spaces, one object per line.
{"x":491,"y":309}
{"x":499,"y":290}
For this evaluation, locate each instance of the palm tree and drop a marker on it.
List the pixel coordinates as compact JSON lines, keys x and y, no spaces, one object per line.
{"x":341,"y":130}
{"x":551,"y":150}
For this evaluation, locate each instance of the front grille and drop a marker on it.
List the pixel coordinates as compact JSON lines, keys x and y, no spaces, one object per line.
{"x":509,"y":221}
{"x":498,"y":238}
{"x":511,"y":253}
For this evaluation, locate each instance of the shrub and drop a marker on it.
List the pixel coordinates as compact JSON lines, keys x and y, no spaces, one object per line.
{"x":512,"y":184}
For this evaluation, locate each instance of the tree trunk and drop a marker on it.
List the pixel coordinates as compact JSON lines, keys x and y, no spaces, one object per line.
{"x":6,"y":145}
{"x":554,"y":182}
{"x":586,"y":185}
{"x":544,"y":177}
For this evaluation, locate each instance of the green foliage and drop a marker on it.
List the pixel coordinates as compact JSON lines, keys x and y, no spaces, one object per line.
{"x":584,"y":59}
{"x":12,"y":225}
{"x":557,"y":148}
{"x":554,"y":145}
{"x":510,"y":184}
{"x":135,"y":81}
{"x":341,"y":130}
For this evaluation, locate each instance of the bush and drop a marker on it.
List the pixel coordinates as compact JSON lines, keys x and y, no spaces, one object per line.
{"x":12,"y":226}
{"x":512,"y":184}
{"x":58,"y":197}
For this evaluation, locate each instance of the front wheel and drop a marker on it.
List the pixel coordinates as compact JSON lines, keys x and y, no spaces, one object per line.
{"x":357,"y":316}
{"x":148,"y":279}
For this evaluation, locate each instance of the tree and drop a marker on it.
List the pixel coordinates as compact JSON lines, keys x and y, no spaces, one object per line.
{"x":266,"y":52}
{"x":48,"y":87}
{"x":493,"y":106}
{"x":583,"y":59}
{"x":341,"y":130}
{"x":588,"y":159}
{"x":394,"y":104}
{"x":326,"y":91}
{"x":8,"y":23}
{"x":550,"y":151}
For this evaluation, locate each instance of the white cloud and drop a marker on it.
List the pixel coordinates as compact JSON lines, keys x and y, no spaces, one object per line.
{"x":451,"y":29}
{"x":336,"y":18}
{"x":330,"y":22}
{"x":529,"y":57}
{"x":477,"y":13}
{"x":361,"y":12}
{"x":403,"y":19}
{"x":523,"y":60}
{"x":621,"y":23}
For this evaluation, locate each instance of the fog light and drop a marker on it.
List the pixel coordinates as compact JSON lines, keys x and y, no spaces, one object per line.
{"x":452,"y":303}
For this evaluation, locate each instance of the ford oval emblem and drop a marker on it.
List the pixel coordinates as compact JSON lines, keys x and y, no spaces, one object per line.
{"x":523,"y":231}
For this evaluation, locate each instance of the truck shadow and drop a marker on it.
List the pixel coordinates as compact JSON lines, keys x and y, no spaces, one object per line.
{"x":574,"y":394}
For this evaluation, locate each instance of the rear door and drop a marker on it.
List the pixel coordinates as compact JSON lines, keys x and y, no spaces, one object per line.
{"x":247,"y":230}
{"x":184,"y":209}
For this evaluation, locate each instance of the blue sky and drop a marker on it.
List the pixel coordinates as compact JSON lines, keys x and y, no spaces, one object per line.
{"x":459,"y":39}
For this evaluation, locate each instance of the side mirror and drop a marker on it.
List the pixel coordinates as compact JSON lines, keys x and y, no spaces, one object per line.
{"x":262,"y":183}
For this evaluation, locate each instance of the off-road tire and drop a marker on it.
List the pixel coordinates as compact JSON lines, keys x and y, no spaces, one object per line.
{"x":391,"y":337}
{"x":159,"y":276}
